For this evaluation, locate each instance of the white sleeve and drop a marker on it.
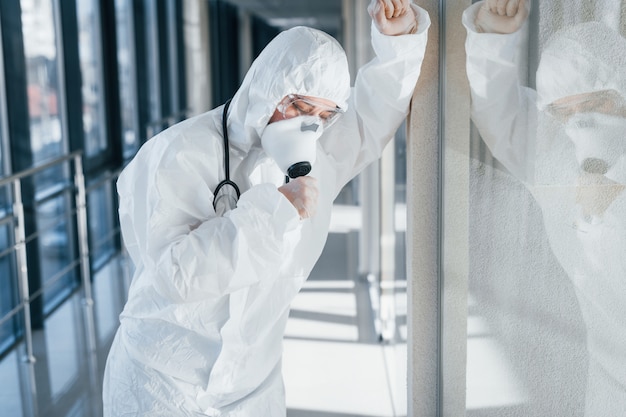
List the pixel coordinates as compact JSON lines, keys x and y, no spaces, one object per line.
{"x":380,"y":99}
{"x":167,"y":216}
{"x":503,"y":110}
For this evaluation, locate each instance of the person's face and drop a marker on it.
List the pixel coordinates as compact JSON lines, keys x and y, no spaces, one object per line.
{"x":295,"y":105}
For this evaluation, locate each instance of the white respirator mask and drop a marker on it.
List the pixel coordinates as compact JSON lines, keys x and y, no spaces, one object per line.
{"x":291,"y":143}
{"x":599,"y":139}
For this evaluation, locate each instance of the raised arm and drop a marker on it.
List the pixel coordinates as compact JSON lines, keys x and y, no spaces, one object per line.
{"x":383,"y":87}
{"x":503,"y":109}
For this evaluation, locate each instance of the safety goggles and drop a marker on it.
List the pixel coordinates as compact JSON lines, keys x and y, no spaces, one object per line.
{"x":605,"y":101}
{"x":295,"y":105}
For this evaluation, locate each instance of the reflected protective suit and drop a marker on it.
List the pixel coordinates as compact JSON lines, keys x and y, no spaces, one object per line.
{"x":201,"y":333}
{"x":583,"y":205}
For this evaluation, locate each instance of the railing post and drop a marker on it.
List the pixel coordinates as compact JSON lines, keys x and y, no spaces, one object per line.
{"x":22,"y":267}
{"x":24,"y":291}
{"x":83,"y":249}
{"x":81,"y":220}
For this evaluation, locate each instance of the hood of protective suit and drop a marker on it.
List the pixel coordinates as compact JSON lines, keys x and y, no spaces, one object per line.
{"x":581,"y":59}
{"x":301,"y":61}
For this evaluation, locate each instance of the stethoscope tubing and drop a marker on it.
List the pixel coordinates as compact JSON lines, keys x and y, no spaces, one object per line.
{"x":227,"y":180}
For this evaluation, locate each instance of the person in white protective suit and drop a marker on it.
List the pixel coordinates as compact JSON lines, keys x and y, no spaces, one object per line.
{"x":201,"y":333}
{"x":566,"y":142}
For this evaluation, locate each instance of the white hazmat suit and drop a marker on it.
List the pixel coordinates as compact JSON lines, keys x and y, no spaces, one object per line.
{"x":201,"y":333}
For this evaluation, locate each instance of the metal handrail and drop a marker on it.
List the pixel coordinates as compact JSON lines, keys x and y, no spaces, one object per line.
{"x":20,"y":241}
{"x":36,"y":169}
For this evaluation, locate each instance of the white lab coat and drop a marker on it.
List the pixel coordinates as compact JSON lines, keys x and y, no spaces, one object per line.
{"x":528,"y":143}
{"x":201,"y":333}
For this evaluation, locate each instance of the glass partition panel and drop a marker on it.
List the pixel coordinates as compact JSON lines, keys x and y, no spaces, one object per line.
{"x":153,"y":59}
{"x":8,"y":288}
{"x":89,"y":42}
{"x":546,"y":208}
{"x":56,"y":248}
{"x":44,"y":81}
{"x":102,"y":231}
{"x":127,"y":71}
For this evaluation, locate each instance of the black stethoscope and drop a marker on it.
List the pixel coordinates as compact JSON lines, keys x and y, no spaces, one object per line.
{"x":227,"y":181}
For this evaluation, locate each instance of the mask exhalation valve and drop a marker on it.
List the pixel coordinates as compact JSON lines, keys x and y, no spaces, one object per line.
{"x":299,"y":169}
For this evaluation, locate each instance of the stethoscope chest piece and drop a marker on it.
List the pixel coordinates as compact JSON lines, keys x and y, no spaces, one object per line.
{"x":226,"y":193}
{"x":225,"y":197}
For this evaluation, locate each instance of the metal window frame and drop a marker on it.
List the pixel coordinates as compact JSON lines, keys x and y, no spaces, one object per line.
{"x":5,"y":161}
{"x":223,"y":24}
{"x":176,"y":47}
{"x":141,"y":68}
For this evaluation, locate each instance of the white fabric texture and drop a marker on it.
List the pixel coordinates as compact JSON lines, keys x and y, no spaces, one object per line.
{"x":201,"y":333}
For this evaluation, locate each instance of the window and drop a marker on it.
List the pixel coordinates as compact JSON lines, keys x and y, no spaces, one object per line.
{"x":43,"y":78}
{"x":8,"y":286}
{"x":127,"y":77}
{"x":153,"y":60}
{"x":101,"y":214}
{"x":56,"y":248}
{"x":95,"y":140}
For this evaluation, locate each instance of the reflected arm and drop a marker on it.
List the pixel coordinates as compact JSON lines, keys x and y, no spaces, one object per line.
{"x":503,"y":110}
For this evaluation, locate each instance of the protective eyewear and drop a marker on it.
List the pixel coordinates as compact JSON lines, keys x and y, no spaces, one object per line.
{"x":604,"y":101}
{"x":301,"y":106}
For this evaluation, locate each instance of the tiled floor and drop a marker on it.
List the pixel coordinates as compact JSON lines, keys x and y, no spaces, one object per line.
{"x":65,"y":378}
{"x":334,"y":365}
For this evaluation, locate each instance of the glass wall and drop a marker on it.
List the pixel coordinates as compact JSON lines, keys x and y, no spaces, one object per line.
{"x":127,"y":77}
{"x":533,"y":209}
{"x":90,"y":55}
{"x":8,"y":296}
{"x":48,"y":139}
{"x":102,"y":227}
{"x":57,"y":249}
{"x":70,"y":88}
{"x":152,"y":58}
{"x":39,"y":26}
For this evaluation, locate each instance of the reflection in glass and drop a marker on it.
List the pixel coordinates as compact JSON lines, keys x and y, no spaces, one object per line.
{"x":4,"y":157}
{"x":152,"y":59}
{"x":564,"y":140}
{"x":56,"y":249}
{"x":8,"y":287}
{"x":127,"y":78}
{"x":40,"y":48}
{"x":63,"y":349}
{"x":101,"y":227}
{"x":91,"y":73}
{"x":109,"y":294}
{"x":12,"y":396}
